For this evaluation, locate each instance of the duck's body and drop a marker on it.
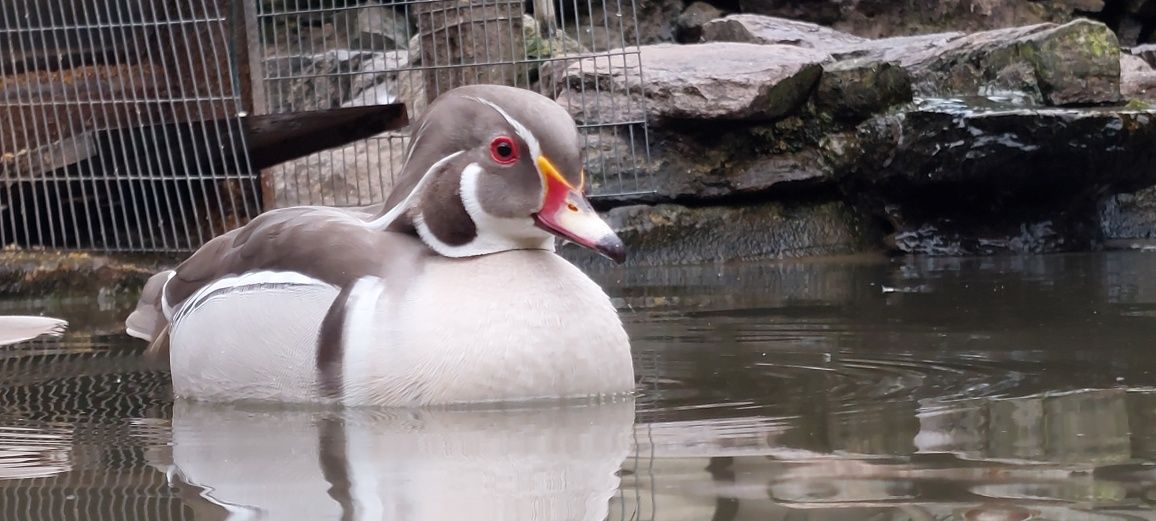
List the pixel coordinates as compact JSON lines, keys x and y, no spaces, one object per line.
{"x":441,"y":299}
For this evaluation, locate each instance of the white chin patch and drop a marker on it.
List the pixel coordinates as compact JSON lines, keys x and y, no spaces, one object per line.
{"x":494,"y":234}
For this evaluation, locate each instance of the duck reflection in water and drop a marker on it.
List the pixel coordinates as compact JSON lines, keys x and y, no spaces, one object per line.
{"x":541,"y":462}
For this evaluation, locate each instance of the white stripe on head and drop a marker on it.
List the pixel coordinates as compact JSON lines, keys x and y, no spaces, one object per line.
{"x":519,"y":128}
{"x":387,"y":219}
{"x":494,"y":234}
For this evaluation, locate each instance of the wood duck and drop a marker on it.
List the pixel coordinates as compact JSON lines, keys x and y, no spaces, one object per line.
{"x":449,"y":292}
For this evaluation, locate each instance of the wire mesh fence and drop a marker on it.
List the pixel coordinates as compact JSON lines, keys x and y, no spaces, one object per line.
{"x":319,"y":54}
{"x":123,"y":122}
{"x":117,"y":125}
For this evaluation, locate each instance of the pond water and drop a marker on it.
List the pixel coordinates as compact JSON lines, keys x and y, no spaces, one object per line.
{"x":1006,"y":388}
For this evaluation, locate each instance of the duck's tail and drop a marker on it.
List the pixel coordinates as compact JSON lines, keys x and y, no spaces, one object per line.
{"x":15,"y":328}
{"x":148,"y":321}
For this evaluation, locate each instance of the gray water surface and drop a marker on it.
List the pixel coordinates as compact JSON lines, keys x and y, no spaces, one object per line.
{"x":883,"y":389}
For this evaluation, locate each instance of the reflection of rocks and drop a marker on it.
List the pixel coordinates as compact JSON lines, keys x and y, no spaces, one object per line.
{"x":1082,"y":427}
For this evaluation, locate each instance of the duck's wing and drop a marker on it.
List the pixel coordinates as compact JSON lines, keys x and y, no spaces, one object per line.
{"x":327,"y":245}
{"x":14,"y":329}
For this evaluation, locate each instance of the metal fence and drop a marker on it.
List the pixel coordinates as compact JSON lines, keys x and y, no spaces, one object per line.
{"x":319,"y":54}
{"x":117,"y":125}
{"x":127,"y":125}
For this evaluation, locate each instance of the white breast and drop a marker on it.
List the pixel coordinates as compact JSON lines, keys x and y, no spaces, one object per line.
{"x":513,"y":325}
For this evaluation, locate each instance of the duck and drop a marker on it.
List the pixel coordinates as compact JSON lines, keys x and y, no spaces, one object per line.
{"x":450,"y":291}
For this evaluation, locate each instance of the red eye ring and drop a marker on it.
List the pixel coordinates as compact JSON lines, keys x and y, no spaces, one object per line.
{"x":503,"y":150}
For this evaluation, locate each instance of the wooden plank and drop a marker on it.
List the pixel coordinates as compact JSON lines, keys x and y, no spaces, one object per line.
{"x":277,"y":138}
{"x":27,"y":165}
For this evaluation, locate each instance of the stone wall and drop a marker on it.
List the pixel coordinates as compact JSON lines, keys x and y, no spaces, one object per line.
{"x":773,"y":137}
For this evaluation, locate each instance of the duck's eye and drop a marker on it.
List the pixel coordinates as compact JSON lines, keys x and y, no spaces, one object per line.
{"x":503,"y":151}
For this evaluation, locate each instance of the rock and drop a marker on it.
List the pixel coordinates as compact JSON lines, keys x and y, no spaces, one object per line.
{"x":381,"y":27}
{"x":884,"y":18}
{"x":1145,"y":52}
{"x":353,"y":175}
{"x":688,"y":26}
{"x":854,"y":90}
{"x":906,"y":50}
{"x":1073,"y":64}
{"x":539,"y":48}
{"x":710,"y":81}
{"x":1137,"y":78}
{"x":672,"y":234}
{"x":969,"y":179}
{"x":326,"y":80}
{"x":753,"y":28}
{"x":1129,"y":216}
{"x":377,"y":79}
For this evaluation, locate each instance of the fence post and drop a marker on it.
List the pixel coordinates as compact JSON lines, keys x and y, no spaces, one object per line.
{"x":466,"y":42}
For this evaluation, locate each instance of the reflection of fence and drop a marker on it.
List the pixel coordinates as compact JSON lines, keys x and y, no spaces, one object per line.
{"x":339,"y":53}
{"x":113,"y":119}
{"x":123,"y":127}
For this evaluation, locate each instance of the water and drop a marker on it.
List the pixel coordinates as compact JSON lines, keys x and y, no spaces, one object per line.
{"x":1003,"y":388}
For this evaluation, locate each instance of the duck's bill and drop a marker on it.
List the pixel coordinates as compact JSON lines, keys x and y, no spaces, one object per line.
{"x":567,"y":214}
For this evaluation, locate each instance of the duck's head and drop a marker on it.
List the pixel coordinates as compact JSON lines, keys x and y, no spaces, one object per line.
{"x":492,"y":169}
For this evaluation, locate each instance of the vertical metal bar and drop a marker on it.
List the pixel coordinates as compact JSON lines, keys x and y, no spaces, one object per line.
{"x":29,"y":145}
{"x":191,"y":93}
{"x":56,"y":116}
{"x":125,"y":128}
{"x":88,"y":164}
{"x":229,"y":113}
{"x":168,"y":164}
{"x":12,"y":184}
{"x":51,"y":180}
{"x":103,"y":103}
{"x":176,"y":99}
{"x":39,"y":108}
{"x":255,"y":39}
{"x":149,"y":102}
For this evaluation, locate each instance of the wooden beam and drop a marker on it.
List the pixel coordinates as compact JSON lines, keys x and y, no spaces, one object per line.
{"x":277,"y":138}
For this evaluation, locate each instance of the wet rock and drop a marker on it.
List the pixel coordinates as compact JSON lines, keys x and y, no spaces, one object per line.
{"x":1129,"y":216}
{"x":689,"y":23}
{"x":710,"y":81}
{"x":753,"y":28}
{"x":955,"y":178}
{"x":1073,"y":64}
{"x":673,"y":234}
{"x":854,"y":90}
{"x":1137,"y":78}
{"x":356,"y":174}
